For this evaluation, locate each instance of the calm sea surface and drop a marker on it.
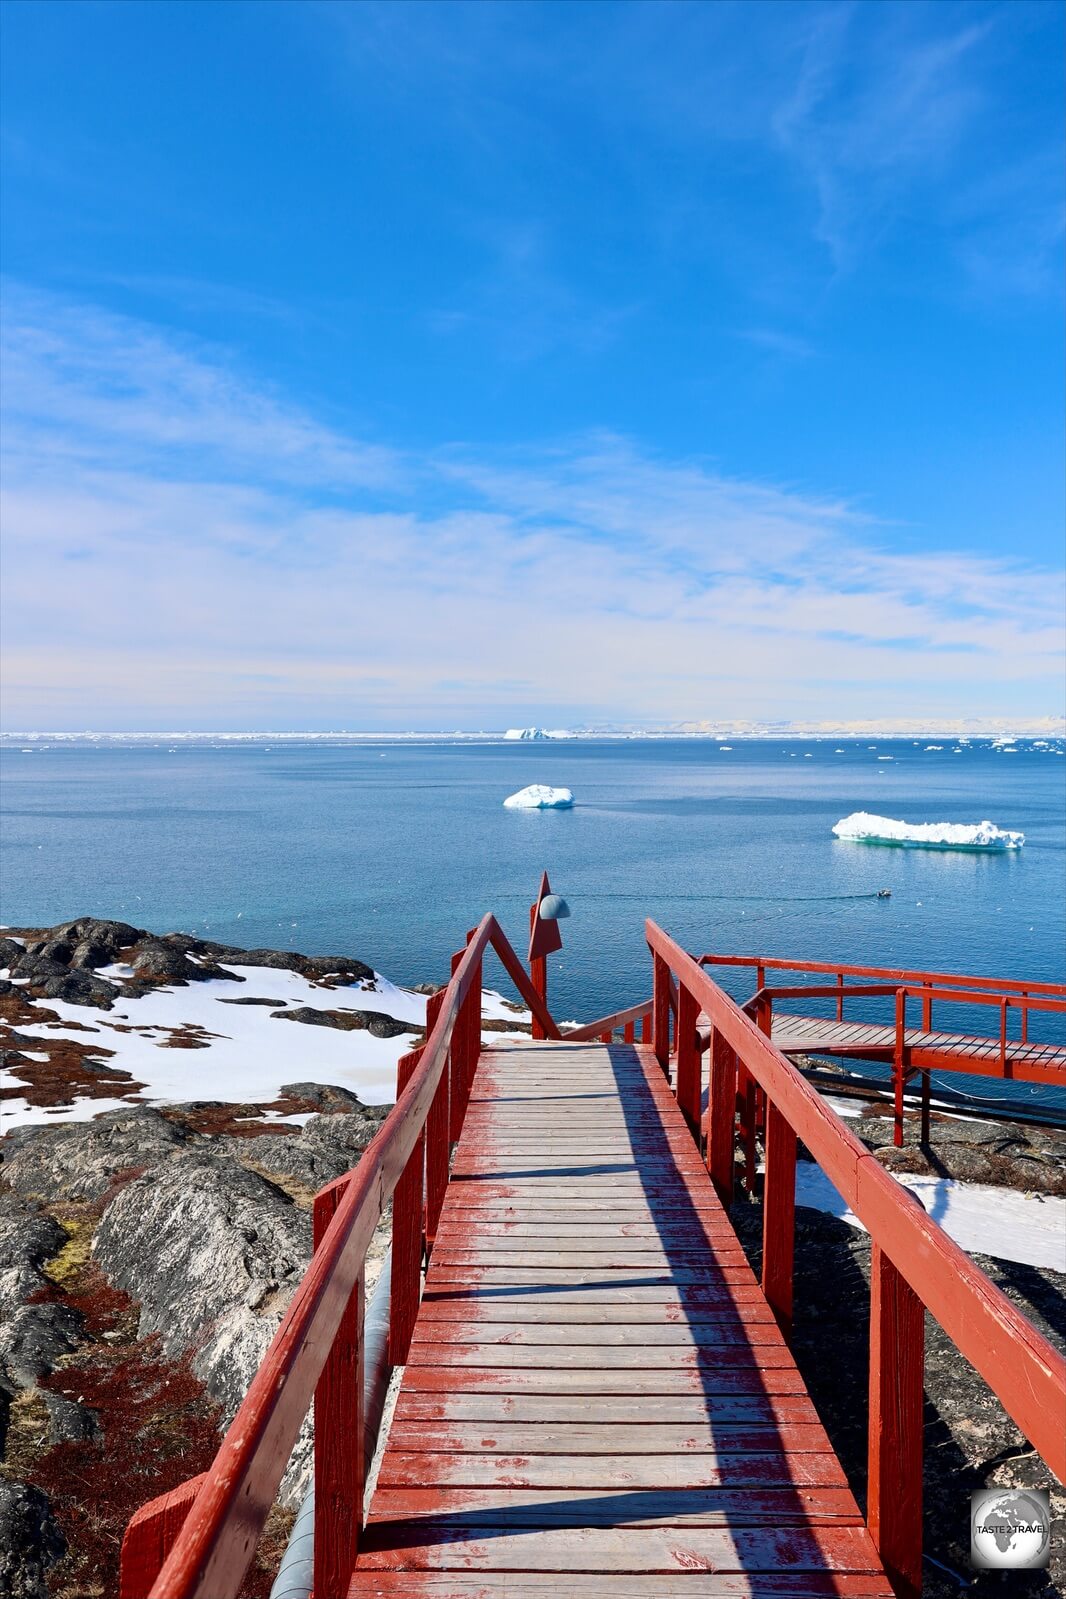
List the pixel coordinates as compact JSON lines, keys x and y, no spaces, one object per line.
{"x":390,"y":851}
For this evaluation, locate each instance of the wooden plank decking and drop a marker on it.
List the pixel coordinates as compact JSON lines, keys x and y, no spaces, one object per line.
{"x":598,"y":1400}
{"x":952,"y":1051}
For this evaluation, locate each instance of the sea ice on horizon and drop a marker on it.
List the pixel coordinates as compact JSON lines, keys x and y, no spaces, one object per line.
{"x":862,"y":828}
{"x":539,"y":797}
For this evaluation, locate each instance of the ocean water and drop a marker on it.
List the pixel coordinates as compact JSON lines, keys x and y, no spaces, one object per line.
{"x":390,"y":850}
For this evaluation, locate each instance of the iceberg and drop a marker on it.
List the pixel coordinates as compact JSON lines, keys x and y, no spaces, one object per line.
{"x":862,"y":828}
{"x":539,"y":797}
{"x":525,"y":734}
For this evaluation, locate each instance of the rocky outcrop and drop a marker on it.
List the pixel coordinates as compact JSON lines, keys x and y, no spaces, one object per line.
{"x":27,"y":1239}
{"x":374,"y":1022}
{"x":33,"y":1339}
{"x":1026,"y":1158}
{"x":30,"y":1542}
{"x":212,"y":1251}
{"x":79,"y":1160}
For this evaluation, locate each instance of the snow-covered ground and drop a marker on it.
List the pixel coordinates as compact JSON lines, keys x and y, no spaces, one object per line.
{"x":247,"y":1051}
{"x":1030,"y":1228}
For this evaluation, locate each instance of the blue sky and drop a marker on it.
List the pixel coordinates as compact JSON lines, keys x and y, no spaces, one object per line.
{"x":446,"y":365}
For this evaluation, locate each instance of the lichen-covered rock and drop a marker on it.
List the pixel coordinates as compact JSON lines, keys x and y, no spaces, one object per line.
{"x":347,"y":1134}
{"x":301,"y":1166}
{"x":68,"y":1421}
{"x":78,"y":1160}
{"x":27,"y":1239}
{"x":331,"y":1097}
{"x":30,"y":1541}
{"x":213,"y":1253}
{"x":32,"y":1339}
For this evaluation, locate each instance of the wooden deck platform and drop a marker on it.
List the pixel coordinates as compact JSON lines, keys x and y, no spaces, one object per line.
{"x":598,"y":1400}
{"x":1031,"y":1062}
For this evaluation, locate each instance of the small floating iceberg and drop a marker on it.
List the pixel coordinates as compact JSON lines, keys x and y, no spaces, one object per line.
{"x":862,"y":828}
{"x":538,"y":797}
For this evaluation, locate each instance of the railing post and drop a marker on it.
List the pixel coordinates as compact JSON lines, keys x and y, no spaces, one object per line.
{"x":645,"y":1028}
{"x":629,"y":1033}
{"x":840,"y":996}
{"x":721,"y":1156}
{"x":538,"y":975}
{"x":150,"y":1537}
{"x":456,"y":1105}
{"x":407,"y":1203}
{"x":437,"y":1134}
{"x":339,"y":1429}
{"x":897,"y":1065}
{"x":1025,"y":1017}
{"x":894,"y":1482}
{"x":779,"y":1216}
{"x":660,"y":994}
{"x":1004,"y":1002}
{"x":927,"y":1008}
{"x":688,"y":1087}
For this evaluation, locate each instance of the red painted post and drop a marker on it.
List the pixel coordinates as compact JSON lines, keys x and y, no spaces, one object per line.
{"x":437,"y":1135}
{"x":1025,"y":1017}
{"x":927,"y":1008}
{"x":779,"y":1216}
{"x":456,"y":1104}
{"x":897,"y":1065}
{"x":894,"y":1483}
{"x":645,"y":1028}
{"x":629,"y":1035}
{"x":150,"y":1537}
{"x":339,"y":1431}
{"x":689,"y":1085}
{"x":660,"y":1024}
{"x":406,"y":1233}
{"x":538,"y":976}
{"x":840,"y":996}
{"x":1004,"y":1002}
{"x":721,"y":1159}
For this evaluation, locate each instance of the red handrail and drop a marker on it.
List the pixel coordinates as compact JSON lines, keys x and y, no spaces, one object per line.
{"x":914,"y":1262}
{"x":894,"y":974}
{"x":320,"y":1333}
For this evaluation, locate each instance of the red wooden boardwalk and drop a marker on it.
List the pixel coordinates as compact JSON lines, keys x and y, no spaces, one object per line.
{"x":598,"y":1399}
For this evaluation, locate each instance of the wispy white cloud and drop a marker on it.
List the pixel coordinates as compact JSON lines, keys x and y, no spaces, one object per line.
{"x":182,"y":545}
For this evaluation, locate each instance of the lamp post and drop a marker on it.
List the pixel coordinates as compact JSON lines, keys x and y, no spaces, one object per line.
{"x":545,"y":938}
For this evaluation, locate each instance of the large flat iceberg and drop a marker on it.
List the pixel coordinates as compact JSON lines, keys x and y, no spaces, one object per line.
{"x":538,"y":797}
{"x":862,"y":828}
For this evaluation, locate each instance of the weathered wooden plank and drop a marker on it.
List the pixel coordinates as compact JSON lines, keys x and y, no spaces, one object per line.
{"x":400,"y":1469}
{"x":462,"y":1404}
{"x":601,"y":1358}
{"x":606,"y":1438}
{"x":436,"y":1544}
{"x":706,"y":1507}
{"x":705,"y":1381}
{"x":581,"y":1585}
{"x":729,"y":1329}
{"x":525,"y":1310}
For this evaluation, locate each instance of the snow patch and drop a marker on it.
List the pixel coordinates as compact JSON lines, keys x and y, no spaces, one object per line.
{"x":863,"y":828}
{"x":983,"y":1220}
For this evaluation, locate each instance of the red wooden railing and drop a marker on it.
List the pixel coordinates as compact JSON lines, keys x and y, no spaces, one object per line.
{"x":909,"y":976}
{"x":197,"y":1541}
{"x":914,"y":1264}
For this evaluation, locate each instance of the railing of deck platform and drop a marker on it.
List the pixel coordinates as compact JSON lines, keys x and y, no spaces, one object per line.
{"x":1033,"y":1067}
{"x":197,"y":1541}
{"x":915,"y":1266}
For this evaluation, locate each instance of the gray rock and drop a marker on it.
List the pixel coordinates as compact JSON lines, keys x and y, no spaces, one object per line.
{"x":213,"y":1253}
{"x":30,"y":1541}
{"x":336,"y":966}
{"x":374,"y":1022}
{"x":28,"y":1238}
{"x":155,"y":960}
{"x":113,"y":936}
{"x":328,"y":1095}
{"x":69,"y":1421}
{"x":77,"y":1160}
{"x":76,"y":987}
{"x":347,"y":1135}
{"x":10,"y":952}
{"x":32,"y":1340}
{"x":308,"y":1162}
{"x":90,"y":954}
{"x":252,"y":1000}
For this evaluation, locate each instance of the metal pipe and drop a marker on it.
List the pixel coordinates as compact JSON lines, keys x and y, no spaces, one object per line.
{"x":296,"y":1572}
